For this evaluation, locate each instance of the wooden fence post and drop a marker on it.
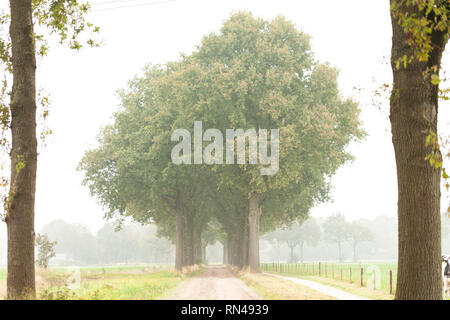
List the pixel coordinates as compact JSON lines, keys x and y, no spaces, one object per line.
{"x":341,"y":273}
{"x":374,"y":280}
{"x":390,"y":281}
{"x":319,"y":269}
{"x":362,"y":277}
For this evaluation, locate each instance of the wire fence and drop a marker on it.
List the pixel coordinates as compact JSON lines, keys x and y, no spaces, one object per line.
{"x":378,"y":276}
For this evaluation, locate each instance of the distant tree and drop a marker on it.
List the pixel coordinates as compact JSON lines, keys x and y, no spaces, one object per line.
{"x":46,"y":250}
{"x":357,"y":234}
{"x":211,"y":234}
{"x":276,"y":238}
{"x":309,"y":233}
{"x":385,"y":231}
{"x":296,"y":235}
{"x":74,"y":240}
{"x":336,"y":229}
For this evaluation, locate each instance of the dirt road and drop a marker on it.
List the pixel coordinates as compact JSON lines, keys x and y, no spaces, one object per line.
{"x":215,"y":283}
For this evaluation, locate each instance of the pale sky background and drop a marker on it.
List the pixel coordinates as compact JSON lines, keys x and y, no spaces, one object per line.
{"x":352,"y":35}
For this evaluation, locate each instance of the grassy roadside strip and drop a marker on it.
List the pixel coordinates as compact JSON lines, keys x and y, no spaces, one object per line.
{"x":270,"y":288}
{"x":352,"y":288}
{"x":109,"y":283}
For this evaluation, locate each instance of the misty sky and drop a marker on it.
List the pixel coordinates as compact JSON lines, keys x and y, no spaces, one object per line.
{"x":352,"y":35}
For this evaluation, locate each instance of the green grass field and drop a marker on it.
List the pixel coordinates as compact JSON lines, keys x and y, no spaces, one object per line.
{"x":116,"y":286}
{"x":106,"y":283}
{"x":373,"y":272}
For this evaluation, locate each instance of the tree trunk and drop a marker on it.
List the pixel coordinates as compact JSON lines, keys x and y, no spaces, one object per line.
{"x":414,"y":108}
{"x":234,"y":252}
{"x":253,"y":233}
{"x":179,"y":246}
{"x":189,"y":240}
{"x":225,"y":252}
{"x":198,"y":247}
{"x":229,"y":249}
{"x":20,"y":213}
{"x":204,"y":252}
{"x":244,"y":244}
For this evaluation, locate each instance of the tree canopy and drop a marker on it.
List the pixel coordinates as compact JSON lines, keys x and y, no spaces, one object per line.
{"x":254,"y":74}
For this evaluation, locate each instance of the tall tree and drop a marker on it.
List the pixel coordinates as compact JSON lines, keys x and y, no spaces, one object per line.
{"x":336,"y":229}
{"x":18,"y":55}
{"x":299,"y":233}
{"x":20,"y":216}
{"x":132,"y":173}
{"x":309,"y":233}
{"x":253,"y":74}
{"x":357,"y":234}
{"x":420,"y":34}
{"x":257,"y":74}
{"x":72,"y":240}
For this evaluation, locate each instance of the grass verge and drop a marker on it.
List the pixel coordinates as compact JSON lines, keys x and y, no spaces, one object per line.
{"x":271,"y":288}
{"x":352,"y":288}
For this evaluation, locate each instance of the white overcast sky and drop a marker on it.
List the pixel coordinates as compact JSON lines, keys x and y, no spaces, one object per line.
{"x":352,"y":35}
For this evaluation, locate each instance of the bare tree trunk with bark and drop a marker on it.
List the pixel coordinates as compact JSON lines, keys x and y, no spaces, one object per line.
{"x":225,"y":252}
{"x":189,"y":246}
{"x":414,"y":109}
{"x":20,"y":213}
{"x":243,"y":242}
{"x":179,"y":246}
{"x":198,"y":246}
{"x":253,"y":233}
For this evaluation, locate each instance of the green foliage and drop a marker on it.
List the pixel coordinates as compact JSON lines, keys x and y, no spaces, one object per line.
{"x":64,"y":18}
{"x":46,"y":250}
{"x":115,"y":285}
{"x":421,"y":21}
{"x":252,"y":74}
